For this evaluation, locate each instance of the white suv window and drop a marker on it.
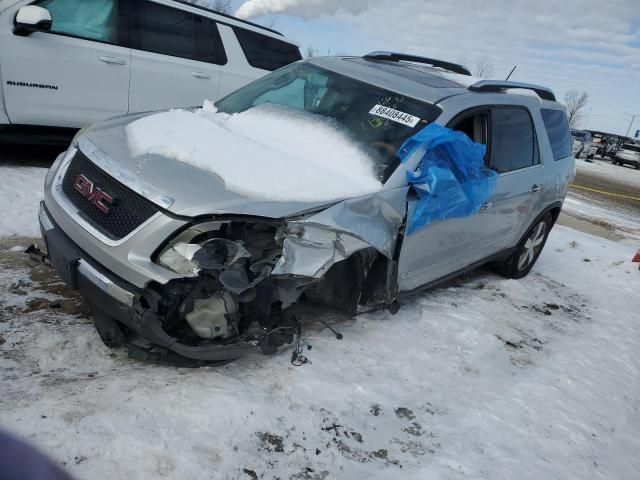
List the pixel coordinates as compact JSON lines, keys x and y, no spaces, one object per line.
{"x":89,"y":19}
{"x":169,"y":31}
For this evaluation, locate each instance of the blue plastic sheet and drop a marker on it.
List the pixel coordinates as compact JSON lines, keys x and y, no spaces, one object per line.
{"x":451,"y":180}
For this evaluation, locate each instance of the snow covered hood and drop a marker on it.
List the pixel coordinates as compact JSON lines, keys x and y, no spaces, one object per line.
{"x":260,"y":162}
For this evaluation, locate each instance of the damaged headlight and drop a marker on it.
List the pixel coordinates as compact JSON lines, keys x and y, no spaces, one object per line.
{"x":178,"y":255}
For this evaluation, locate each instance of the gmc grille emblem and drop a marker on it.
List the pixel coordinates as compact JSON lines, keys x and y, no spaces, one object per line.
{"x":98,"y":197}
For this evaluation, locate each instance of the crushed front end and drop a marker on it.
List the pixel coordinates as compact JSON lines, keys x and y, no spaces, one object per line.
{"x":217,"y":287}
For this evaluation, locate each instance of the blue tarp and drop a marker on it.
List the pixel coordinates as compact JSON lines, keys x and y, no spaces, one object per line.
{"x":451,"y":180}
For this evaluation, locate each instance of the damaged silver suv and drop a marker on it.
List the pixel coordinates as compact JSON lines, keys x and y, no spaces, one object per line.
{"x":346,"y":183}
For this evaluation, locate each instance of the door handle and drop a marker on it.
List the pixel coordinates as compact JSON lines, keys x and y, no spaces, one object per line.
{"x":112,"y":60}
{"x":486,"y":206}
{"x":202,"y":75}
{"x":536,"y":188}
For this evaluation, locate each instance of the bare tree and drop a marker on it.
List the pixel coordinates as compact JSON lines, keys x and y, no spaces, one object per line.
{"x":222,"y":6}
{"x":311,"y":52}
{"x":575,"y":102}
{"x":270,"y":21}
{"x":484,"y":68}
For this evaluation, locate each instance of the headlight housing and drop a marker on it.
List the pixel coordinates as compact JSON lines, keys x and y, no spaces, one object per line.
{"x":245,"y":247}
{"x":178,"y":254}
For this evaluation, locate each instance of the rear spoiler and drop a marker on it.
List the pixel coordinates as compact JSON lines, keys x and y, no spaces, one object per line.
{"x":497,"y":86}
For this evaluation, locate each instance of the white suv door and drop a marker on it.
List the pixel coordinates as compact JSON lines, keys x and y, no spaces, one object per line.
{"x":176,"y":57}
{"x":71,"y":76}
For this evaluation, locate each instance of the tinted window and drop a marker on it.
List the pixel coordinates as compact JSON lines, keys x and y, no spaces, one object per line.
{"x":90,"y":19}
{"x":209,"y":44}
{"x":264,"y":52}
{"x":160,"y":29}
{"x":512,"y":140}
{"x":557,"y":126}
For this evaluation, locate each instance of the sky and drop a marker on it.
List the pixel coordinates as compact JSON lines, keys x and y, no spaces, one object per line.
{"x":588,"y":45}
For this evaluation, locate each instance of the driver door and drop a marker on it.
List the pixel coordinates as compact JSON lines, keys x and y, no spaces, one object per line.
{"x":447,"y":246}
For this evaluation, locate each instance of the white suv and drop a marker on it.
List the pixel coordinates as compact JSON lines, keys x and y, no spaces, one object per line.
{"x":67,"y":63}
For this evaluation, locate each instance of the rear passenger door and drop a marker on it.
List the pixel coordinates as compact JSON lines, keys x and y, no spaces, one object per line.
{"x":514,"y":155}
{"x":176,"y":57}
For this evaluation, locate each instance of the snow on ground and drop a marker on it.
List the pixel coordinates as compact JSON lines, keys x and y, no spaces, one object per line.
{"x":294,"y":156}
{"x":605,"y":169}
{"x":20,"y":195}
{"x":488,"y":378}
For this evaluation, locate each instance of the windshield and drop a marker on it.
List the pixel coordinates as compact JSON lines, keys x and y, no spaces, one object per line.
{"x":378,"y":120}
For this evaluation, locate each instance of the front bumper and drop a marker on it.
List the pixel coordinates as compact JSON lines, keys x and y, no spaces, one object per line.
{"x":111,"y":296}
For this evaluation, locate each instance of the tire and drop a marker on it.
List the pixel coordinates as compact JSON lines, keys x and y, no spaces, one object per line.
{"x":520,"y":263}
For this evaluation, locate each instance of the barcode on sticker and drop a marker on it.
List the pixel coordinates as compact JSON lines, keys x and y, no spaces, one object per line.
{"x":394,"y":115}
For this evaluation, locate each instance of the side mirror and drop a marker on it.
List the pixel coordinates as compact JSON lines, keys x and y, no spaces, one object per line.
{"x":31,"y":19}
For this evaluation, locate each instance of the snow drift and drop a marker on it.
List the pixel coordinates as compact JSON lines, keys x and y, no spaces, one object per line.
{"x":266,"y":153}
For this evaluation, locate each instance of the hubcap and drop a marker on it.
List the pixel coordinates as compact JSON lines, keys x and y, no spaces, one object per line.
{"x":532,"y":246}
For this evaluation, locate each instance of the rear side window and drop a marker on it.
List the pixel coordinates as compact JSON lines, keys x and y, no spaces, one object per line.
{"x":557,"y":126}
{"x":160,"y":29}
{"x":266,"y":53}
{"x":170,"y":31}
{"x":208,"y":42}
{"x":512,"y":140}
{"x":90,"y":19}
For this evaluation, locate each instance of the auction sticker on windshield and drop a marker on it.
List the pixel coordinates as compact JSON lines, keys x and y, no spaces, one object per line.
{"x":394,"y":115}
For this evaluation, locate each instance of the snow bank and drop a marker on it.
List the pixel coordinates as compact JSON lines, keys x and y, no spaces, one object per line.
{"x":20,"y":193}
{"x":264,"y":153}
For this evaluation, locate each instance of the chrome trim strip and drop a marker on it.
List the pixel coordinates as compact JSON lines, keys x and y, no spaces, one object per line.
{"x":74,"y":213}
{"x":103,"y":283}
{"x":123,"y":175}
{"x":43,"y":217}
{"x":521,"y":170}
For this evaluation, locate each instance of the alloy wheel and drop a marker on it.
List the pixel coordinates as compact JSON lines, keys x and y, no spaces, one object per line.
{"x":532,"y":246}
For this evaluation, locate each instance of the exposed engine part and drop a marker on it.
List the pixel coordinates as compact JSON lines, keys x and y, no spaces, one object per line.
{"x":215,"y":317}
{"x":241,"y":278}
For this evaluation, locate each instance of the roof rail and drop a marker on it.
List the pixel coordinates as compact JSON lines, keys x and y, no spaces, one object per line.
{"x":396,"y":57}
{"x":499,"y":86}
{"x":211,"y":10}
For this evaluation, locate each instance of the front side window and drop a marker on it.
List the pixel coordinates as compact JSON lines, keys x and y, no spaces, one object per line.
{"x":88,"y":19}
{"x":266,"y":53}
{"x":557,"y":126}
{"x":160,"y":29}
{"x":378,"y":120}
{"x":512,"y":140}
